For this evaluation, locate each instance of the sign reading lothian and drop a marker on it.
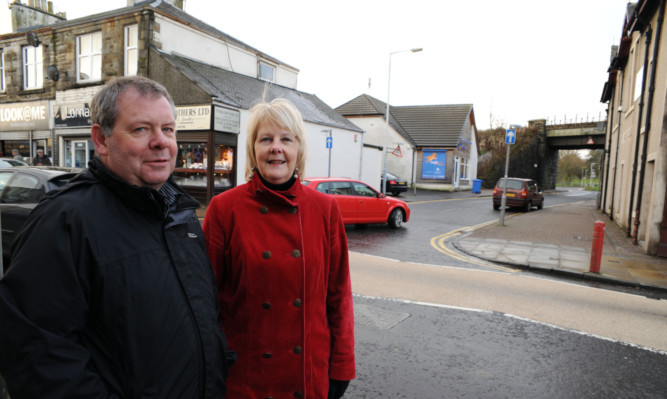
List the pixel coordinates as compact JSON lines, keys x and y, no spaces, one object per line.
{"x":24,"y":116}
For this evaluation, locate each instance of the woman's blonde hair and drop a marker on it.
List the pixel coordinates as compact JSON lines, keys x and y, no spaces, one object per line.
{"x":283,"y":114}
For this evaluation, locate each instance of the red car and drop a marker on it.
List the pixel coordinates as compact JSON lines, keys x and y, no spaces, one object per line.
{"x":359,"y":203}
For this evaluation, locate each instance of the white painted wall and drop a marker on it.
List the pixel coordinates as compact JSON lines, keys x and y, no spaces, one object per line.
{"x":186,"y":41}
{"x":372,"y":167}
{"x":345,"y":152}
{"x":375,"y":129}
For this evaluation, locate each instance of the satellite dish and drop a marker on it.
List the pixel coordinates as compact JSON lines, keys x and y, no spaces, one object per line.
{"x":52,"y":73}
{"x":33,"y":40}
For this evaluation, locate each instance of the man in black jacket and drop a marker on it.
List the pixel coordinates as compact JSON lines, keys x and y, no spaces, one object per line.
{"x":110,"y":293}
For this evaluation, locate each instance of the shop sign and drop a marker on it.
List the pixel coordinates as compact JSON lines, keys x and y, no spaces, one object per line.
{"x":71,"y":115}
{"x":24,"y":116}
{"x":227,"y":120}
{"x":196,"y":117}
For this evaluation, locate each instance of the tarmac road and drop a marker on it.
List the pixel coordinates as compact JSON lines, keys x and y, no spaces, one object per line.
{"x":428,"y":331}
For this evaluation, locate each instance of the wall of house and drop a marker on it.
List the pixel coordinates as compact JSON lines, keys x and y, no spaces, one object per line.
{"x":346,"y":152}
{"x":372,"y":166}
{"x":375,"y":129}
{"x":625,"y":141}
{"x":189,"y":42}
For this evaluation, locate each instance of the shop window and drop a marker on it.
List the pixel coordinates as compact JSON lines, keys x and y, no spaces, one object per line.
{"x":89,"y":57}
{"x":131,"y":49}
{"x":192,"y":164}
{"x":33,"y":73}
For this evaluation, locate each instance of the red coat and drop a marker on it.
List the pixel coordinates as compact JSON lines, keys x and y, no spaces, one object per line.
{"x":282,"y":269}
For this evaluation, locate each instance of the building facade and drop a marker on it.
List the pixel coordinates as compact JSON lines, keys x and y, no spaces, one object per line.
{"x":51,"y":72}
{"x":635,"y":169}
{"x":431,"y":146}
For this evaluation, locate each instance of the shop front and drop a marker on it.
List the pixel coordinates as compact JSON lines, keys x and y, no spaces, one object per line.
{"x":25,"y":127}
{"x":207,"y":141}
{"x":72,"y":123}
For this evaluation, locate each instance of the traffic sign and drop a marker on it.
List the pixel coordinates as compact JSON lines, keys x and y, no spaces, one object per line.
{"x":329,"y":142}
{"x":510,"y":136}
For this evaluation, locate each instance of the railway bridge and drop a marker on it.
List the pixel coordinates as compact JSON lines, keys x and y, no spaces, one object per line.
{"x":570,"y":136}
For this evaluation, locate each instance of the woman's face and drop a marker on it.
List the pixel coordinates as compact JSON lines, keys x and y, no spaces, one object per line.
{"x":276,"y":152}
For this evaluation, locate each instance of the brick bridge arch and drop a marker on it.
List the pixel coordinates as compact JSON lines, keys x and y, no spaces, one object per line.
{"x":571,"y":136}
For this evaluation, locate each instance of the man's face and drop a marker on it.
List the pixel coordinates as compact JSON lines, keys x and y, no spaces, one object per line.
{"x":142,"y":149}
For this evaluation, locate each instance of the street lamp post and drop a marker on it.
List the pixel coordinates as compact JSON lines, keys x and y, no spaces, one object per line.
{"x":386,"y":133}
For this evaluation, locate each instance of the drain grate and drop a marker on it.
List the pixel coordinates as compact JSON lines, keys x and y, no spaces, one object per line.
{"x":372,"y":316}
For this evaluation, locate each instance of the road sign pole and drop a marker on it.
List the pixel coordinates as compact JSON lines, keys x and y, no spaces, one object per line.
{"x":510,"y":138}
{"x":330,"y":146}
{"x":503,"y":201}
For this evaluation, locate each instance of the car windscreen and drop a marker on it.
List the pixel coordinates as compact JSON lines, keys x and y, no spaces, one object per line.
{"x":511,"y":184}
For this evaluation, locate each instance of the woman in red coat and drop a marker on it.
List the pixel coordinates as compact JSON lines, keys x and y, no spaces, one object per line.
{"x":279,"y":252}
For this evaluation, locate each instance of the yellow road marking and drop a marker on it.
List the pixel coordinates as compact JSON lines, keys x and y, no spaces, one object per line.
{"x":438,"y":243}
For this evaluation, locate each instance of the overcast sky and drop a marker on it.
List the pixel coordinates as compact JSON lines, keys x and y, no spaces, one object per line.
{"x":514,"y":60}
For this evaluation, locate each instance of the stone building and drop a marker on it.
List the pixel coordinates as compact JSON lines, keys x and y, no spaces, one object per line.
{"x":634,"y":183}
{"x":50,"y":72}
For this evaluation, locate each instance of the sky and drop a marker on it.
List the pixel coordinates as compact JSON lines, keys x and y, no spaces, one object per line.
{"x":513,"y":60}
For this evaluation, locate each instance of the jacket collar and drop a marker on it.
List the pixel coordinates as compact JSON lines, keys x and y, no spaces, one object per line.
{"x":142,"y":199}
{"x":289,"y":196}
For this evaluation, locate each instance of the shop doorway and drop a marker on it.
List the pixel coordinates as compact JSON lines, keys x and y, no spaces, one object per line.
{"x":78,"y":153}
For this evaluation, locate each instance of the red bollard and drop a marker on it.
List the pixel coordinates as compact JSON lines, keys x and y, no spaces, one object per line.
{"x":596,"y":252}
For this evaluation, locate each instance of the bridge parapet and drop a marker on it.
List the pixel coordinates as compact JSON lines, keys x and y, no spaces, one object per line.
{"x":576,"y":129}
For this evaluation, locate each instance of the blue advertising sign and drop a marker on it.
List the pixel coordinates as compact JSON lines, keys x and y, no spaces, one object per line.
{"x":434,"y":164}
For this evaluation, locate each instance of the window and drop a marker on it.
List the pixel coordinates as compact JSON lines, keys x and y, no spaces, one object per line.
{"x":364,"y":190}
{"x":33,"y":73}
{"x":22,"y":189}
{"x":89,"y":57}
{"x":464,"y":168}
{"x":266,"y":72}
{"x":2,"y":71}
{"x":340,"y":188}
{"x":131,"y":49}
{"x":639,"y":79}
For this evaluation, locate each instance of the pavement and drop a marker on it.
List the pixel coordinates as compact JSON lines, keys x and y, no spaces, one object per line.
{"x":558,"y":240}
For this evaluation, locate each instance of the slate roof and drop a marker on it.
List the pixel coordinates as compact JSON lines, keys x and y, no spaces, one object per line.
{"x":421,"y":125}
{"x":242,"y":91}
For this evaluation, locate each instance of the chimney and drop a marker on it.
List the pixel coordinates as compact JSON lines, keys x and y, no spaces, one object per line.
{"x":35,"y":13}
{"x":175,"y":3}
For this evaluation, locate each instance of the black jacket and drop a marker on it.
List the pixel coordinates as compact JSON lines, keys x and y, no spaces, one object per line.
{"x":110,"y":294}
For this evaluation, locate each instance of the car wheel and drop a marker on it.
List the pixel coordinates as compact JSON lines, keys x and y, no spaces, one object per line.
{"x":529,"y":205}
{"x":395,"y":193}
{"x":395,"y":218}
{"x":541,"y":205}
{"x":496,"y":207}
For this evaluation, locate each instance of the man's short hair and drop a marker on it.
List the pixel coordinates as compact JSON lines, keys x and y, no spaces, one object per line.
{"x":104,"y":106}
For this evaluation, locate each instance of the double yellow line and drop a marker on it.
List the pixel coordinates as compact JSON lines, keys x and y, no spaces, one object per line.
{"x":438,"y":242}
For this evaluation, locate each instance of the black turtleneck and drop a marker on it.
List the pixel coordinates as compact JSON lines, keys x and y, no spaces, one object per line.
{"x":278,"y":187}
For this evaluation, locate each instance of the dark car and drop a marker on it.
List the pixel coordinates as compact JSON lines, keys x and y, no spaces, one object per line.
{"x":521,"y":193}
{"x":22,"y":188}
{"x":359,"y":203}
{"x":395,"y":185}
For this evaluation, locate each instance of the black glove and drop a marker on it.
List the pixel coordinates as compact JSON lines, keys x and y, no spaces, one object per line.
{"x":337,"y":388}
